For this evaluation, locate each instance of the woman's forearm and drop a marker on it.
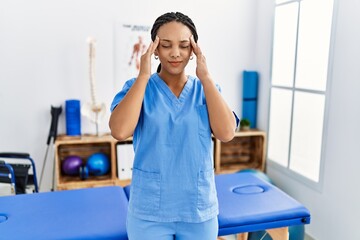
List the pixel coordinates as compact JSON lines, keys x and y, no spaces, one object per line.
{"x":125,"y":116}
{"x":222,"y":120}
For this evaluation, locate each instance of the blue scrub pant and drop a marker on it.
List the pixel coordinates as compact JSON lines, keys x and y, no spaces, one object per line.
{"x":139,"y":229}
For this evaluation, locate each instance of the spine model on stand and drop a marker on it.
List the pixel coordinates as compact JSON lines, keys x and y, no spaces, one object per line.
{"x":93,"y":110}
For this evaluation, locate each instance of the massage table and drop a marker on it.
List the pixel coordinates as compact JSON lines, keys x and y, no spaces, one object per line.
{"x":246,"y":203}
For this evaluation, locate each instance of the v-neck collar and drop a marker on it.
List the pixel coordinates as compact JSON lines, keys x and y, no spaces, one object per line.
{"x":167,"y":91}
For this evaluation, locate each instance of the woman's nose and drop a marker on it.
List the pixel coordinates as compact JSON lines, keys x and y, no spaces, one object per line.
{"x":175,"y":52}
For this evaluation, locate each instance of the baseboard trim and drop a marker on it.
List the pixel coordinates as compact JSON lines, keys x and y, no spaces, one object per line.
{"x":309,"y":237}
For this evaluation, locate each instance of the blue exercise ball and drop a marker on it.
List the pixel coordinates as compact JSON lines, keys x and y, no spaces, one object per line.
{"x":296,"y":232}
{"x":71,"y":165}
{"x":98,"y":164}
{"x":258,"y":173}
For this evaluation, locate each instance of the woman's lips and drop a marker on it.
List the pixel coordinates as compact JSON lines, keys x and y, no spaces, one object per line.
{"x":175,"y":64}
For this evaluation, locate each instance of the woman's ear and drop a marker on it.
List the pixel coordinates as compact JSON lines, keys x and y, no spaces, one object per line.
{"x":156,"y":52}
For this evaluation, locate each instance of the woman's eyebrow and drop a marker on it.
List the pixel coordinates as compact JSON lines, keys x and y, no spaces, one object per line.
{"x":182,"y":41}
{"x":165,"y":40}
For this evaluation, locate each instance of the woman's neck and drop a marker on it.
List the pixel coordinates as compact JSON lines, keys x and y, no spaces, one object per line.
{"x":175,"y":82}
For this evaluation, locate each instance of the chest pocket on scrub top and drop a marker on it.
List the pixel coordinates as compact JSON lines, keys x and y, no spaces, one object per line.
{"x":203,"y":121}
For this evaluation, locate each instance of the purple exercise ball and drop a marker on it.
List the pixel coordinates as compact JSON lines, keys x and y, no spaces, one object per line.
{"x":71,"y":165}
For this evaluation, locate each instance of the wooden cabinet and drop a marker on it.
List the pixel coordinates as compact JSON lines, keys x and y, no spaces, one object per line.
{"x":246,"y":150}
{"x":83,"y":147}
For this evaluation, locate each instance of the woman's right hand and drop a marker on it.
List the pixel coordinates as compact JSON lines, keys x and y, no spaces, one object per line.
{"x":145,"y":60}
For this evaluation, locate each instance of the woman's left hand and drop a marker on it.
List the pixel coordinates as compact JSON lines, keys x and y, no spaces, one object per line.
{"x":201,"y":67}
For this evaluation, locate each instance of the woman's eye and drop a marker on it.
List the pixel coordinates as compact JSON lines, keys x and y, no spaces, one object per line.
{"x":165,"y":46}
{"x":184,"y":46}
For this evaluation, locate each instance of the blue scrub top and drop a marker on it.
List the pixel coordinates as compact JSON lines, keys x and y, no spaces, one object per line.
{"x":173,"y":173}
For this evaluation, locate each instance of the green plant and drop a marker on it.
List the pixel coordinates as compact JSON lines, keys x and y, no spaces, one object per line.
{"x":244,"y":123}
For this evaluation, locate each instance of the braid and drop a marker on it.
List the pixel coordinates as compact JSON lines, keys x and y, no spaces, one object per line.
{"x":170,"y":17}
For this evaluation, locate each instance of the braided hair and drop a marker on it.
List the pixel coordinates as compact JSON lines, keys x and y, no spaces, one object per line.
{"x":171,"y":17}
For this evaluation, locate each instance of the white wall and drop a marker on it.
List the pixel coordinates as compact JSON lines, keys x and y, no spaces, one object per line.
{"x":335,"y":207}
{"x":43,"y":58}
{"x":43,"y":61}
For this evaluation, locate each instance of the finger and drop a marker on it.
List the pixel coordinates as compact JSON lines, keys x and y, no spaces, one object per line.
{"x":195,"y":46}
{"x":148,"y":51}
{"x":192,"y":42}
{"x":154,"y":45}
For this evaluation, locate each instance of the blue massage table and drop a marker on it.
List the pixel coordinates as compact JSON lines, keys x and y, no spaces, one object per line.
{"x":246,"y":203}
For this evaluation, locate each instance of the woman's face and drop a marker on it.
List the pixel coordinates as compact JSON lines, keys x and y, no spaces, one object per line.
{"x":174,"y":49}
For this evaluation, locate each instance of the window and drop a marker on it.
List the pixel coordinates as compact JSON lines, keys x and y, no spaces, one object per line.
{"x":302,"y":30}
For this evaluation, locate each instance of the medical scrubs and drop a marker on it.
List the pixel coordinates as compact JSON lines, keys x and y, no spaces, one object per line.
{"x":173,"y":173}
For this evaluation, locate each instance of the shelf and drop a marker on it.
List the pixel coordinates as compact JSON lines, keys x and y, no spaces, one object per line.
{"x":85,"y":184}
{"x":84,"y":147}
{"x":246,"y":150}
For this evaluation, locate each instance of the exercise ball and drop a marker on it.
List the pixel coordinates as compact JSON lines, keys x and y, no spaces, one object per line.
{"x":98,"y":164}
{"x":258,"y":173}
{"x":71,"y":164}
{"x":296,"y":232}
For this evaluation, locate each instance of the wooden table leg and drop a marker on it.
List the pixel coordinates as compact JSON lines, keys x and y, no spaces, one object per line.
{"x":276,"y":234}
{"x":279,"y":233}
{"x":242,"y":236}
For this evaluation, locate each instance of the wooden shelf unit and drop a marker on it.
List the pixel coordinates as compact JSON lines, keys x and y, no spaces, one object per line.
{"x":246,"y":150}
{"x":83,"y":147}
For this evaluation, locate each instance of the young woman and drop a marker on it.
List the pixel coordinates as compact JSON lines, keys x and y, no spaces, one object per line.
{"x":171,"y":117}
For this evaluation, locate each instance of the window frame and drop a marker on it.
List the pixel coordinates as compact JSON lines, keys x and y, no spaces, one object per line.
{"x":318,"y":186}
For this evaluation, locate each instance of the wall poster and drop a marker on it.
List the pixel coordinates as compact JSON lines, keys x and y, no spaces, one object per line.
{"x":131,"y":42}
